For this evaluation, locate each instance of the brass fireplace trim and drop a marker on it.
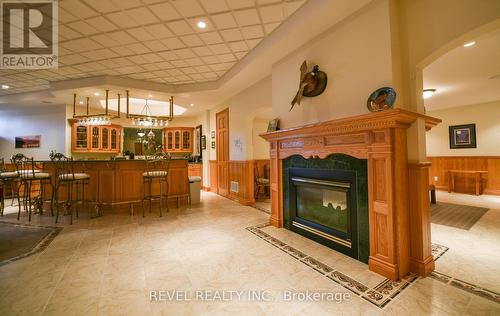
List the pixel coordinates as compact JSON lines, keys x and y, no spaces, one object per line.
{"x":322,"y":234}
{"x":322,"y":182}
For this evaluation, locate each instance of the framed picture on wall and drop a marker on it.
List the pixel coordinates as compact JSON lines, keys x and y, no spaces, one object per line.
{"x":212,"y":134}
{"x":28,"y":141}
{"x":273,"y":125}
{"x":462,"y":136}
{"x":203,"y":142}
{"x":213,"y":145}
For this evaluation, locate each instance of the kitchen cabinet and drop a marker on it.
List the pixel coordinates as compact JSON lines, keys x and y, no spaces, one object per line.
{"x":96,"y":139}
{"x":178,"y":139}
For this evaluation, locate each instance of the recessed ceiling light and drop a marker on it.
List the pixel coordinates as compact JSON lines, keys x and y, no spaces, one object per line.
{"x":201,"y":24}
{"x":427,"y":93}
{"x":469,"y":44}
{"x":96,"y":94}
{"x":81,"y":102}
{"x":150,"y":96}
{"x":191,"y":104}
{"x":4,"y":86}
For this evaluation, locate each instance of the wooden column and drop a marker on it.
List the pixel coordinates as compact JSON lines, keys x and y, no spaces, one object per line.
{"x":421,"y":260}
{"x":276,"y":218}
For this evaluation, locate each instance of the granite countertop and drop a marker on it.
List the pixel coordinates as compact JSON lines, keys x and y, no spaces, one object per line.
{"x":108,"y":160}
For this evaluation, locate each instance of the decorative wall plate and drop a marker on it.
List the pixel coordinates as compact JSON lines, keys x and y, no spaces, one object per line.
{"x":381,"y":99}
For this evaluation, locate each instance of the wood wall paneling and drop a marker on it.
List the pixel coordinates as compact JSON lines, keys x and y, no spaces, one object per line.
{"x":465,"y":183}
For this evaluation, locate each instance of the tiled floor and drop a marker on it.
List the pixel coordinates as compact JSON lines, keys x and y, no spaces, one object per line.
{"x":109,"y":265}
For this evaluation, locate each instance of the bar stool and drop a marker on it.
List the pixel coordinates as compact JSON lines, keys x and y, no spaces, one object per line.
{"x":156,"y":171}
{"x":5,"y":179}
{"x":65,"y":176}
{"x":25,"y":167}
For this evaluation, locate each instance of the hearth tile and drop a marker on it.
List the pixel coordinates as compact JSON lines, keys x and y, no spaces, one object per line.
{"x":294,"y":252}
{"x":348,"y":282}
{"x":392,"y":288}
{"x":316,"y":265}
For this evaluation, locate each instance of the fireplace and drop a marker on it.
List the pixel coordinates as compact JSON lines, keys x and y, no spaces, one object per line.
{"x":326,"y":201}
{"x":392,"y":202}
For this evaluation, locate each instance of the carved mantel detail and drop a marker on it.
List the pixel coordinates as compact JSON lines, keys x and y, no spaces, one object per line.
{"x":381,"y":139}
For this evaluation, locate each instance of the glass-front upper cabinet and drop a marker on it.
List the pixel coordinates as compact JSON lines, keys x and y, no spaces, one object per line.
{"x":95,"y":137}
{"x":81,"y":137}
{"x":114,"y":139}
{"x":170,"y":140}
{"x":186,"y":140}
{"x":105,"y":138}
{"x":177,"y":139}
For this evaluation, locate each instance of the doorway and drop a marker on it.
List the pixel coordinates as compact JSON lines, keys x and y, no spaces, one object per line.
{"x":222,"y":151}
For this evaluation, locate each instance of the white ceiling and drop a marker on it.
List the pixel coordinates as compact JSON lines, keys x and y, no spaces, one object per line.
{"x":154,"y":40}
{"x":465,"y":75}
{"x":154,"y":47}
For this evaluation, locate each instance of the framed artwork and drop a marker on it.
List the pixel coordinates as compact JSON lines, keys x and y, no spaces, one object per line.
{"x":212,"y":134}
{"x":213,"y":145}
{"x":203,"y":142}
{"x":198,"y":142}
{"x":462,"y":136}
{"x":28,"y":141}
{"x":274,"y":125}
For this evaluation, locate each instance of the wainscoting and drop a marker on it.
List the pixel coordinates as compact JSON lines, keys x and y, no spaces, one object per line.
{"x":465,"y":184}
{"x":242,"y":172}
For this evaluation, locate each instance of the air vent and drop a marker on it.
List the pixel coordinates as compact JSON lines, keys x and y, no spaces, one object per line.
{"x":235,"y":187}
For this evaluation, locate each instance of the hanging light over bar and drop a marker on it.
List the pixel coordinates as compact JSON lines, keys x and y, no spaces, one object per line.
{"x":146,"y":118}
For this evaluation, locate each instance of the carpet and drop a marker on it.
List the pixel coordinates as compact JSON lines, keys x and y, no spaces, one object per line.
{"x":454,"y":215}
{"x":18,"y":241}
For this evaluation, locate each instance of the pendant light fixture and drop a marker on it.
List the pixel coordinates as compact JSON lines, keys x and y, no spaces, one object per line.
{"x":146,"y":117}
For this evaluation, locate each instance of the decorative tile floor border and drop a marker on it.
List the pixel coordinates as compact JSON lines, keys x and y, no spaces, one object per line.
{"x":40,"y":246}
{"x":387,"y":290}
{"x":261,"y":209}
{"x":380,"y":295}
{"x":465,"y":286}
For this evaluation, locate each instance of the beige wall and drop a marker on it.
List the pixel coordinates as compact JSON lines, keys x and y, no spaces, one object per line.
{"x":243,"y":108}
{"x":260,"y":146}
{"x":356,"y":56}
{"x":486,"y":116}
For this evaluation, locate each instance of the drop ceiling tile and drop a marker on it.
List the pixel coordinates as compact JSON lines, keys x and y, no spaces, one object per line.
{"x":67,"y":33}
{"x":92,"y":55}
{"x":142,"y":16}
{"x":180,"y":27}
{"x":122,"y":51}
{"x":165,"y":11}
{"x":152,"y":58}
{"x":292,"y":6}
{"x":272,"y":13}
{"x":193,"y":22}
{"x":192,"y":40}
{"x":83,"y":27}
{"x":102,"y":24}
{"x":150,"y":67}
{"x":165,"y":65}
{"x":107,"y":53}
{"x":219,"y":49}
{"x":184,"y":53}
{"x":226,"y":58}
{"x":74,"y":59}
{"x":251,"y":32}
{"x":140,"y":34}
{"x":138,"y":48}
{"x":168,"y":56}
{"x":247,"y":17}
{"x":218,"y":67}
{"x":83,"y":11}
{"x":220,"y":73}
{"x":183,"y":78}
{"x":82,"y":44}
{"x":224,"y":21}
{"x":161,"y":73}
{"x":267,"y":1}
{"x":270,"y":27}
{"x":194,"y":61}
{"x":253,"y":42}
{"x":232,"y":35}
{"x":210,"y":75}
{"x":175,"y":72}
{"x":122,"y":19}
{"x":155,"y":46}
{"x":202,"y":68}
{"x":188,"y":70}
{"x":179,"y":63}
{"x":122,"y":37}
{"x":126,"y":4}
{"x":105,"y":40}
{"x":202,"y":51}
{"x":173,"y":43}
{"x":137,"y":59}
{"x":159,"y":31}
{"x":239,"y":4}
{"x":211,"y":38}
{"x":213,"y":6}
{"x":188,"y":8}
{"x":210,"y":59}
{"x":238,"y":46}
{"x":101,"y":6}
{"x":66,"y":17}
{"x":196,"y":76}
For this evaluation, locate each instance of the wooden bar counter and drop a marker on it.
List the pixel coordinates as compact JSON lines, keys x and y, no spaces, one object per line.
{"x":118,"y":183}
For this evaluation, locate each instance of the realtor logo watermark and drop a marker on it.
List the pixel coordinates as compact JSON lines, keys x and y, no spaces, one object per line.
{"x":29,"y":32}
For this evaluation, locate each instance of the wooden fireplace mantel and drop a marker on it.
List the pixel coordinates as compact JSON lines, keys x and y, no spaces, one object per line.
{"x":399,"y":217}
